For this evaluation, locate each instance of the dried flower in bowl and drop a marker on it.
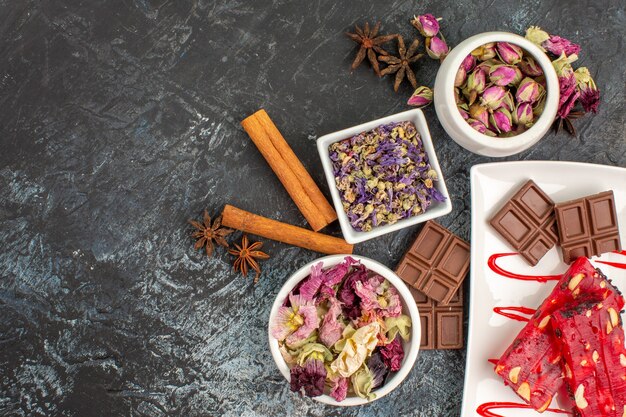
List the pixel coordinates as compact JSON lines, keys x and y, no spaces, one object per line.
{"x":340,"y":331}
{"x":383,"y":175}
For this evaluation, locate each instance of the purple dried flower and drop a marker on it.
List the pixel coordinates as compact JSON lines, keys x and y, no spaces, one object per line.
{"x":308,"y":379}
{"x":427,"y":24}
{"x":393,"y":354}
{"x":421,"y":97}
{"x":377,"y":367}
{"x":509,"y":53}
{"x":568,"y":95}
{"x":436,"y":48}
{"x":557,"y":45}
{"x":346,"y":294}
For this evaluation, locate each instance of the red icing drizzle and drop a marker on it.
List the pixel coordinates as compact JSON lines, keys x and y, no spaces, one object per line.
{"x":494,"y":361}
{"x":498,"y":270}
{"x":485,"y":409}
{"x":505,"y":311}
{"x":620,"y":252}
{"x":613,"y":264}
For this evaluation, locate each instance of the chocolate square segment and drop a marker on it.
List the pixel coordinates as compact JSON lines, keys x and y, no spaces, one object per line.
{"x":441,"y":326}
{"x":588,"y":226}
{"x":436,"y":263}
{"x":526,"y":222}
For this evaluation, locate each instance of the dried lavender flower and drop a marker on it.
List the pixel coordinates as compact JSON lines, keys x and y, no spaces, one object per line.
{"x":383,"y":175}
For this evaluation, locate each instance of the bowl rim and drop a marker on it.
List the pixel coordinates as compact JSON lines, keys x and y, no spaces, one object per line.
{"x":410,"y":356}
{"x":438,"y":209}
{"x":528,"y":137}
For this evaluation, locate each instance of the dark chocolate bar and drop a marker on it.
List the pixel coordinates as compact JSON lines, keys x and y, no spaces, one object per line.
{"x":527,"y":222}
{"x":436,"y":263}
{"x":588,"y":226}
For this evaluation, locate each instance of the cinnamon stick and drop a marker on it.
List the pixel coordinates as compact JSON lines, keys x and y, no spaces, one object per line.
{"x":290,"y":171}
{"x":282,"y":232}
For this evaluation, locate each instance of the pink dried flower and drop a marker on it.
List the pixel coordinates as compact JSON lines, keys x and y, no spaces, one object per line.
{"x":378,"y":296}
{"x":530,"y":67}
{"x":504,"y":75}
{"x":436,"y":48}
{"x":296,"y":322}
{"x":485,"y":52}
{"x":331,"y":328}
{"x":523,"y":114}
{"x":557,"y":45}
{"x":508,"y":102}
{"x":477,"y":125}
{"x":477,"y":80}
{"x":427,"y":24}
{"x":527,"y":91}
{"x":492,"y":97}
{"x":421,"y":97}
{"x":479,"y":113}
{"x":308,"y":379}
{"x":568,"y":95}
{"x":468,"y":63}
{"x":509,"y":53}
{"x":339,"y":388}
{"x":501,"y":120}
{"x":589,"y":93}
{"x":461,"y":76}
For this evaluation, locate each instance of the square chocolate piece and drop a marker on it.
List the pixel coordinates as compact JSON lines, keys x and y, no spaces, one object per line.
{"x":442,"y":325}
{"x":436,"y":263}
{"x":588,"y":226}
{"x":527,"y":222}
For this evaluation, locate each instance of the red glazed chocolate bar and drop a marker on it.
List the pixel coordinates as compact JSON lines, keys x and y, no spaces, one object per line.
{"x":531,"y":365}
{"x":591,"y":338}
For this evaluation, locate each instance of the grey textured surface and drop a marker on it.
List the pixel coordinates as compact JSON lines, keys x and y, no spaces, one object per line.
{"x":119,"y":120}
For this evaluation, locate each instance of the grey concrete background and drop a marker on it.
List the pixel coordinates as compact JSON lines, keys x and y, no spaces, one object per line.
{"x":119,"y":120}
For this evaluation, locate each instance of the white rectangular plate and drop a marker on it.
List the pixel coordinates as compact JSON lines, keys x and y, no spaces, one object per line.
{"x":490,"y":333}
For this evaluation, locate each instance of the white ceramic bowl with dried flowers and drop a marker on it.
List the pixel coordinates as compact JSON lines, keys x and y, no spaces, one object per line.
{"x":409,"y":308}
{"x":460,"y":130}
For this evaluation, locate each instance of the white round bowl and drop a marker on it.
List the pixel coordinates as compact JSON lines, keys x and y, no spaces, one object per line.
{"x":411,"y":347}
{"x":460,"y":131}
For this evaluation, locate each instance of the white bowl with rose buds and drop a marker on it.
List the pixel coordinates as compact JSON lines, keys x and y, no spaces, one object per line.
{"x":321,"y":361}
{"x":496,"y":94}
{"x":384,"y":176}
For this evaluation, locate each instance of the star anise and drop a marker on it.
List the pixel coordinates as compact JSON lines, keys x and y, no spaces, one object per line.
{"x":206,"y":233}
{"x":370,"y":44}
{"x":401,"y":65}
{"x":246,"y":257}
{"x":566,"y":123}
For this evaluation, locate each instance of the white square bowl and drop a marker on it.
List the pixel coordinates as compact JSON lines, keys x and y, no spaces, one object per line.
{"x":437,"y":209}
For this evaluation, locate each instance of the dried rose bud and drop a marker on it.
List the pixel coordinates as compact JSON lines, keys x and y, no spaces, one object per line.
{"x":530,"y":67}
{"x":504,"y":75}
{"x":477,"y":125}
{"x":492,"y":97}
{"x":539,"y":106}
{"x":527,"y":91}
{"x":589,"y":93}
{"x":468,"y":63}
{"x":508,"y":102}
{"x":479,"y":113}
{"x":557,"y":45}
{"x":461,"y":76}
{"x":537,"y":36}
{"x":427,"y":24}
{"x":563,"y":65}
{"x":501,"y":120}
{"x":436,"y":48}
{"x":464,"y":113}
{"x":485,"y":52}
{"x":509,"y":53}
{"x":523,"y":114}
{"x":477,"y":80}
{"x":421,"y":97}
